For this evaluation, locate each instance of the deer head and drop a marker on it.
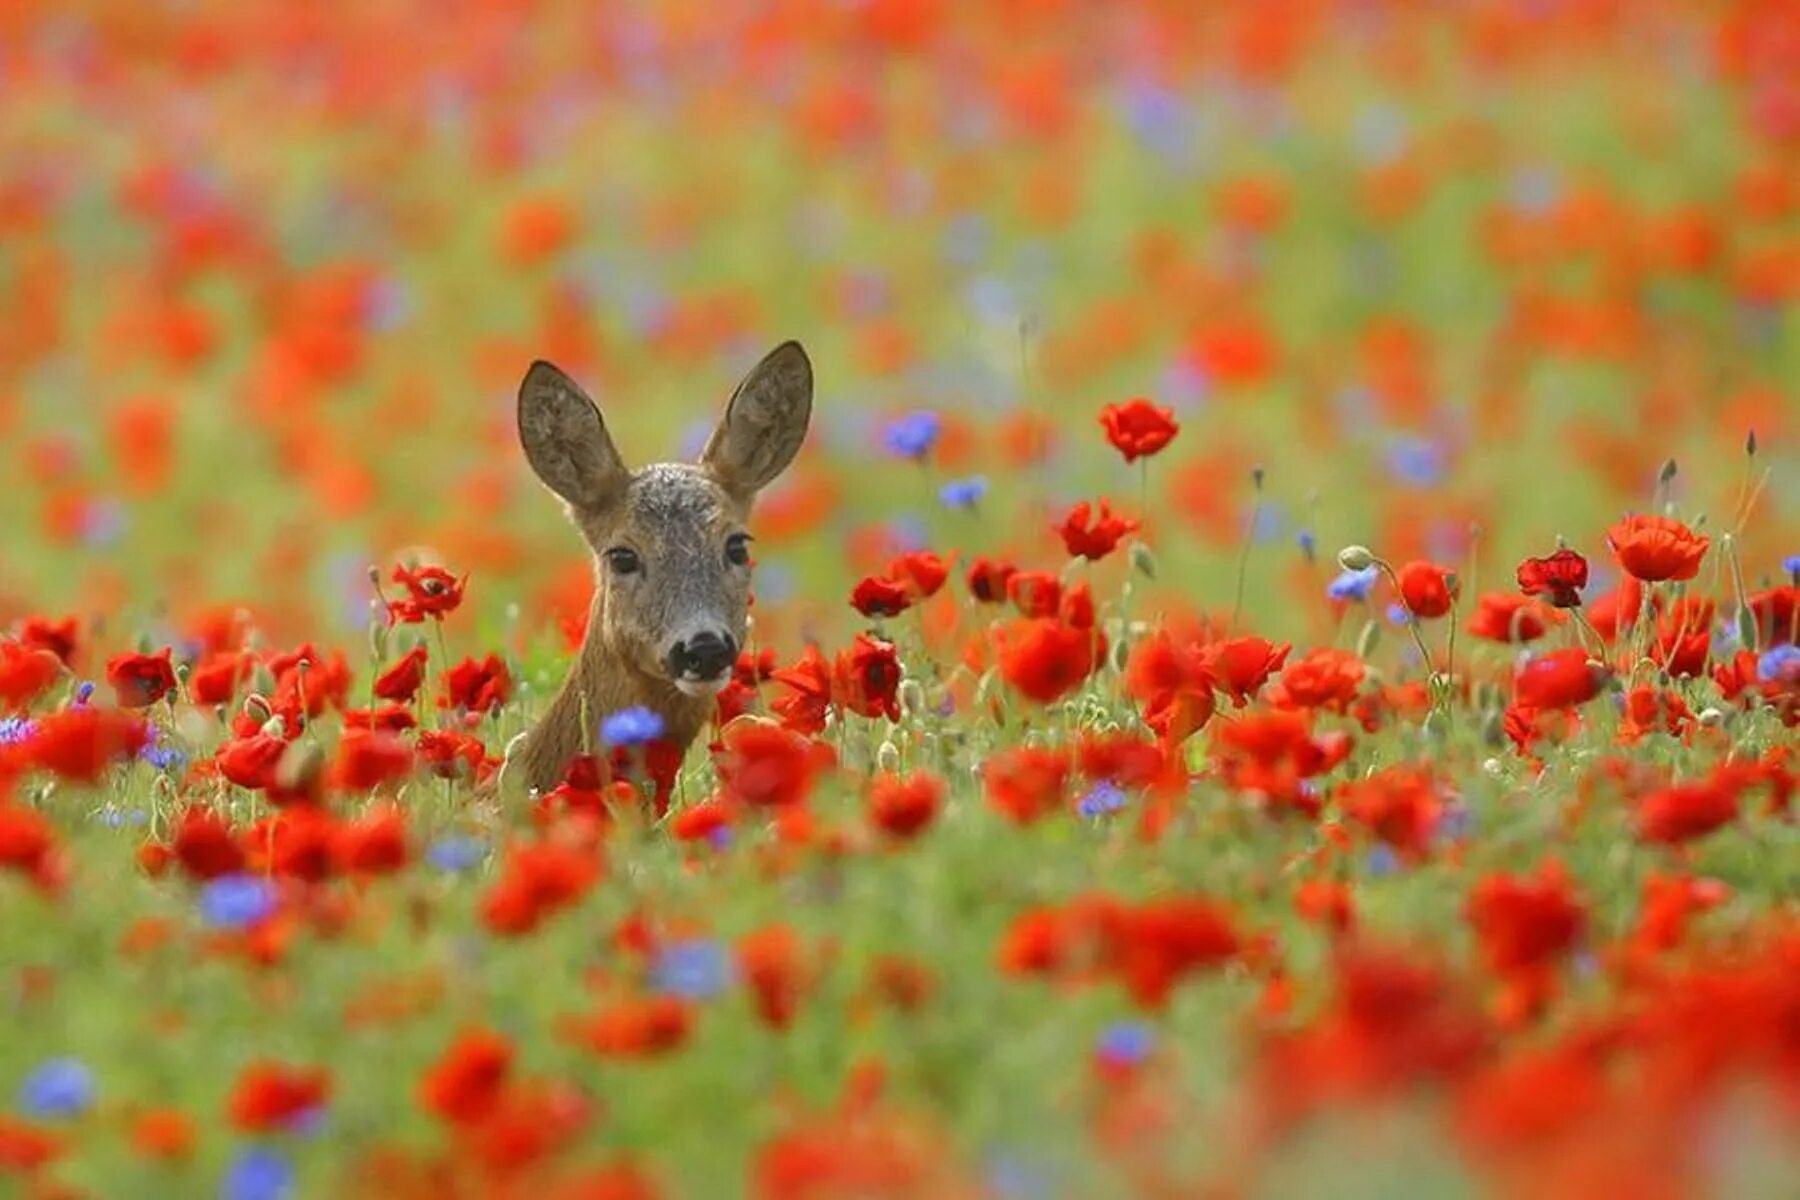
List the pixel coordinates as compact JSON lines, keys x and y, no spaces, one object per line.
{"x":670,"y":541}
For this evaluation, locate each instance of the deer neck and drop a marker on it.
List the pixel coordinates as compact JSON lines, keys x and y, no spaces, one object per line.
{"x":598,"y":684}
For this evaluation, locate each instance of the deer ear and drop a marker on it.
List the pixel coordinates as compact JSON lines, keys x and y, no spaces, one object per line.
{"x":764,"y":423}
{"x":566,"y":441}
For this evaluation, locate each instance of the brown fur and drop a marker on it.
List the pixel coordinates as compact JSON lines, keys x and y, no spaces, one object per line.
{"x":678,"y":519}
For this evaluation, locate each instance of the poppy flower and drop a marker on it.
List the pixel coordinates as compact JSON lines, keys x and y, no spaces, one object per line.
{"x":1172,"y":685}
{"x":1092,"y":533}
{"x":803,"y":706}
{"x":60,"y":638}
{"x":431,"y":592}
{"x":251,"y":762}
{"x":463,"y":1085}
{"x":452,"y":754}
{"x":1558,"y":578}
{"x":1325,"y":677}
{"x":1241,"y":666}
{"x":204,"y":845}
{"x":903,"y":806}
{"x":1686,"y":812}
{"x":166,"y":1134}
{"x":1044,"y":660}
{"x":1160,"y":941}
{"x":537,"y":880}
{"x":1776,"y":612}
{"x":217,"y":678}
{"x":1026,"y":783}
{"x":637,"y":1028}
{"x":1035,"y":593}
{"x":1525,"y":921}
{"x":1428,"y":590}
{"x":1500,"y":617}
{"x":1559,"y":679}
{"x":401,"y":681}
{"x":763,"y":765}
{"x":140,"y":680}
{"x":922,"y":573}
{"x":372,"y":844}
{"x":272,"y":1096}
{"x":988,"y":580}
{"x":1683,"y":640}
{"x":477,"y":686}
{"x":1655,"y":548}
{"x":865,"y":678}
{"x":771,"y":962}
{"x":80,"y":743}
{"x":879,"y":596}
{"x":367,"y":760}
{"x":25,"y":674}
{"x":1137,"y":428}
{"x":1400,"y":805}
{"x":28,"y":845}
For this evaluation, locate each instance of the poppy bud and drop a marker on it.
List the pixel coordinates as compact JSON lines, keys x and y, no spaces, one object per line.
{"x":1356,"y":558}
{"x":1750,"y":443}
{"x":1746,"y":625}
{"x":1710,"y":717}
{"x":912,"y":696}
{"x":1669,"y":471}
{"x":1142,"y":560}
{"x":887,"y":758}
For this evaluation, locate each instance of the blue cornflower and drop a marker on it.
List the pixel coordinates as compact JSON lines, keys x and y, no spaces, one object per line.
{"x":1383,"y":861}
{"x":62,"y":1087}
{"x":1104,"y":798}
{"x":16,"y":729}
{"x":456,"y":853}
{"x":162,"y":755}
{"x":1126,"y":1043}
{"x":257,"y":1174}
{"x":913,"y":435}
{"x":1781,"y":663}
{"x":631,"y":727}
{"x":1415,"y":461}
{"x":84,"y":691}
{"x":1308,"y":543}
{"x":964,"y":493}
{"x":694,"y":970}
{"x":1455,"y":823}
{"x":1353,"y":585}
{"x":237,"y":901}
{"x":1397,"y":614}
{"x":1791,"y":564}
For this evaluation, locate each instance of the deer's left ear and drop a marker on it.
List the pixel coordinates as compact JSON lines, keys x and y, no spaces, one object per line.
{"x":765,"y":423}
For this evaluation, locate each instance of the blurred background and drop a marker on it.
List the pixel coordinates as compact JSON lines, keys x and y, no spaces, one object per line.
{"x":1460,"y":277}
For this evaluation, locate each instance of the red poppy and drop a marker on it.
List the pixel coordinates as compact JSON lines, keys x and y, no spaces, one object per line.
{"x":1160,"y":941}
{"x":140,"y":680}
{"x":879,"y":596}
{"x":1240,"y":666}
{"x":1683,"y":641}
{"x":1035,"y":593}
{"x":452,"y":754}
{"x":802,"y":708}
{"x":1776,"y":612}
{"x":79,"y":743}
{"x":1428,"y":590}
{"x":1525,"y":921}
{"x":537,"y":880}
{"x":763,"y":765}
{"x":217,"y":678}
{"x":1172,"y":685}
{"x":164,"y":1133}
{"x":1325,"y":677}
{"x":988,"y":580}
{"x":204,"y":845}
{"x":367,"y":760}
{"x":401,"y":681}
{"x":477,"y":686}
{"x":1653,"y":548}
{"x":463,"y":1085}
{"x":865,"y":679}
{"x":372,"y":844}
{"x":1092,"y":534}
{"x":772,"y":964}
{"x":1558,"y":578}
{"x":636,"y":1028}
{"x":1559,"y":679}
{"x":430,"y":592}
{"x":272,"y":1096}
{"x":1686,"y":812}
{"x":903,"y":806}
{"x":1137,"y":428}
{"x":251,"y":762}
{"x":1026,"y":782}
{"x":1616,"y":610}
{"x":28,"y":845}
{"x":24,"y":1147}
{"x":25,"y":674}
{"x":1500,"y":617}
{"x":921,"y":572}
{"x":1044,"y":660}
{"x":1400,"y":805}
{"x":60,"y":638}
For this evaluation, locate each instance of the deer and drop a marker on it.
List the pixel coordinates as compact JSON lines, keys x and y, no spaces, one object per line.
{"x":671,"y":549}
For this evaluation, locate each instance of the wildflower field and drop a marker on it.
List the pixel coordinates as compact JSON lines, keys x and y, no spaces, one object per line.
{"x":1273,"y":672}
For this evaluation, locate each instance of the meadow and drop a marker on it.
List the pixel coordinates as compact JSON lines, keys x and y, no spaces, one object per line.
{"x":1273,"y":674}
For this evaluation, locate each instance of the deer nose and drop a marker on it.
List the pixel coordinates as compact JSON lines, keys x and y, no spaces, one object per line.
{"x":704,"y":656}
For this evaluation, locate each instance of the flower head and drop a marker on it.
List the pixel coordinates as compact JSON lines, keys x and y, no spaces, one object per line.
{"x":1558,"y":578}
{"x":61,"y":1087}
{"x":964,"y":493}
{"x":696,"y":969}
{"x":1137,"y":428}
{"x":631,"y":727}
{"x":1353,"y":585}
{"x":1654,"y":548}
{"x":913,"y":435}
{"x":238,"y":901}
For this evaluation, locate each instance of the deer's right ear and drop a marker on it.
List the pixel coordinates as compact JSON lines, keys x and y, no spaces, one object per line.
{"x":566,"y":441}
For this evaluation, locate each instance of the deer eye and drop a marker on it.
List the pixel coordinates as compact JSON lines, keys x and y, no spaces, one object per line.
{"x":737,"y":549}
{"x":624,"y":560}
